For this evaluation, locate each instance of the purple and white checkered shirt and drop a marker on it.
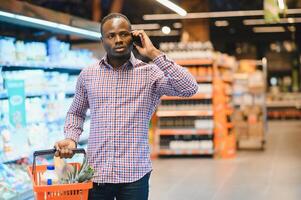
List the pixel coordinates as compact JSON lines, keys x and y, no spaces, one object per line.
{"x":121,"y":103}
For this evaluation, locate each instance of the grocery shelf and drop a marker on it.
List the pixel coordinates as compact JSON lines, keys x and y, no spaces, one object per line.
{"x":25,"y":195}
{"x":229,"y":93}
{"x":197,"y":96}
{"x":3,"y":95}
{"x":195,"y":62}
{"x":230,"y":125}
{"x":281,"y":104}
{"x":185,"y":132}
{"x":241,"y":76}
{"x":229,"y":111}
{"x":201,"y":79}
{"x":186,"y":152}
{"x":184,"y":113}
{"x":227,"y":79}
{"x":224,"y":66}
{"x":40,"y":65}
{"x":214,"y":74}
{"x":251,"y":143}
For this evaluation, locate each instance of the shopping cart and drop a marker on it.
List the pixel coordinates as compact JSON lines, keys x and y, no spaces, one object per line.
{"x":74,"y":191}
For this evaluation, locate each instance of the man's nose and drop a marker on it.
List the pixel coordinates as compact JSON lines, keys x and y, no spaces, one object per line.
{"x":118,"y":38}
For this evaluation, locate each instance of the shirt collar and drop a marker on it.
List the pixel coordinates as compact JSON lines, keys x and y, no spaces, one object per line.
{"x":132,"y":62}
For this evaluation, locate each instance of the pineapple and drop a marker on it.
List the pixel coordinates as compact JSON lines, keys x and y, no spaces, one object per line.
{"x":73,"y":175}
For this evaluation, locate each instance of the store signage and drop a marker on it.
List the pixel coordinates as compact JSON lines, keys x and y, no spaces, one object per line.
{"x":16,"y":97}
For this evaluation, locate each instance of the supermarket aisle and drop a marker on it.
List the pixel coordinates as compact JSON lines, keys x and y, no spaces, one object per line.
{"x":272,"y":174}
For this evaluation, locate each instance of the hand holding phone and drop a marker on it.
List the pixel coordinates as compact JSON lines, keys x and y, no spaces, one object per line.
{"x":137,"y":40}
{"x":146,"y":49}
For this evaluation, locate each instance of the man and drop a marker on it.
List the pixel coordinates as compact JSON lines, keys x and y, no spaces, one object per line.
{"x":122,"y":93}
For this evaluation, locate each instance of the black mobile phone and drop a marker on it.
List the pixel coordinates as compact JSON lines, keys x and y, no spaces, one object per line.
{"x":137,"y":40}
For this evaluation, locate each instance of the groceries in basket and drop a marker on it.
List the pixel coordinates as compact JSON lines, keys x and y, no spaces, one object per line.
{"x":63,"y":173}
{"x":71,"y":174}
{"x":49,"y":177}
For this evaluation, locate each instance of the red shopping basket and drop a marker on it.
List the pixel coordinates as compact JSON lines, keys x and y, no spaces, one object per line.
{"x":74,"y":191}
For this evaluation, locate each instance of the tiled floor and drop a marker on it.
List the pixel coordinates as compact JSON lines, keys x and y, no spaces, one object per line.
{"x":273,"y":174}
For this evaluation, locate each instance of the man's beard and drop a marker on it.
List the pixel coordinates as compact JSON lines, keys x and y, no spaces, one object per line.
{"x":123,"y":55}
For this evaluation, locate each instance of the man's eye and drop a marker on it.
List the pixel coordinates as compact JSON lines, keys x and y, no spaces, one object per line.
{"x":110,"y":36}
{"x":124,"y":34}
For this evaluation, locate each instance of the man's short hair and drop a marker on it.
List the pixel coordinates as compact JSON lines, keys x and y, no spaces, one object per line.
{"x":112,"y":16}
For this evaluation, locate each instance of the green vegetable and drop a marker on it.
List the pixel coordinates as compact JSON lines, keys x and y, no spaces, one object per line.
{"x":84,"y":174}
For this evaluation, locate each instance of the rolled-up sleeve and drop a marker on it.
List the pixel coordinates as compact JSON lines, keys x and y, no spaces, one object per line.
{"x":77,"y":111}
{"x":171,"y":79}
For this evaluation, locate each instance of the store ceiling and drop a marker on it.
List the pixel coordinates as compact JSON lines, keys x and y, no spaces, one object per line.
{"x":236,"y":31}
{"x":135,"y":9}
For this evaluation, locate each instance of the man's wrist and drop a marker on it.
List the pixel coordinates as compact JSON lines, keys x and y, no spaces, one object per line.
{"x":72,"y":140}
{"x":154,"y":53}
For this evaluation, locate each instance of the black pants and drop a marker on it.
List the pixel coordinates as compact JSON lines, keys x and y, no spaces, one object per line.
{"x":137,"y":190}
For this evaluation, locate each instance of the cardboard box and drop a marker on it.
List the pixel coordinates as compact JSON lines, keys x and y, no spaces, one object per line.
{"x":256,"y":82}
{"x":256,"y":130}
{"x":246,"y":110}
{"x":257,"y":89}
{"x":237,"y":116}
{"x":256,"y":110}
{"x":241,"y":129}
{"x":254,"y":114}
{"x":253,"y":119}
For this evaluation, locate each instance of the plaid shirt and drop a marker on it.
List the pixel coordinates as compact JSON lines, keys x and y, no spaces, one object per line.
{"x":121,"y":103}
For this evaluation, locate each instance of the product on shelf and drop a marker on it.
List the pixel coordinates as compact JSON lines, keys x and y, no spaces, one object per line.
{"x":204,"y":123}
{"x":190,"y":50}
{"x":226,"y":61}
{"x":248,"y":122}
{"x":46,"y":104}
{"x":1,"y":82}
{"x":186,"y":142}
{"x":284,"y":105}
{"x":191,"y":126}
{"x":41,"y":82}
{"x":14,"y":181}
{"x":53,"y":53}
{"x":177,"y":105}
{"x":248,"y":93}
{"x":7,"y":50}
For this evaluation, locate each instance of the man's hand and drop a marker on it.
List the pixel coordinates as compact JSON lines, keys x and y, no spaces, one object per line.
{"x":147,"y":50}
{"x":64,"y":148}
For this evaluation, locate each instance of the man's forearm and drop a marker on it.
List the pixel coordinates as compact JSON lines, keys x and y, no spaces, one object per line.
{"x":73,"y":126}
{"x":181,"y":81}
{"x":154,"y":53}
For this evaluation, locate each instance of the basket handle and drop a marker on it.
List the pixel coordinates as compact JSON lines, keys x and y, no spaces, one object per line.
{"x":51,"y":152}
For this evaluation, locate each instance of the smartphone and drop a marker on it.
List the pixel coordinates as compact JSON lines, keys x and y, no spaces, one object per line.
{"x":137,"y":40}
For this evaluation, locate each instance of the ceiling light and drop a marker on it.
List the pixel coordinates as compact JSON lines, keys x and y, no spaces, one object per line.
{"x":206,"y":15}
{"x":281,"y":4}
{"x":268,"y":29}
{"x":173,"y":7}
{"x":52,"y":26}
{"x":145,"y":26}
{"x":221,"y":23}
{"x":166,"y":30}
